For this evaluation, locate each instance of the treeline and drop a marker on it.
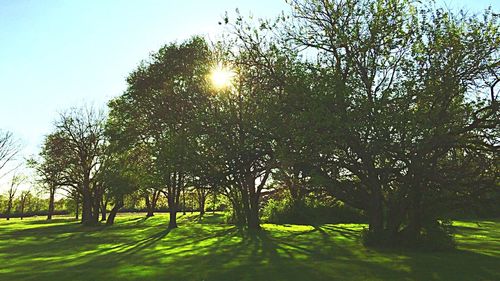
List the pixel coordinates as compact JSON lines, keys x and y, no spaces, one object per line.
{"x":387,"y":106}
{"x":25,"y":204}
{"x":29,"y":202}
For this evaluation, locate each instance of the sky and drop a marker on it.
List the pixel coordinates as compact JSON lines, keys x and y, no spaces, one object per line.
{"x":58,"y":54}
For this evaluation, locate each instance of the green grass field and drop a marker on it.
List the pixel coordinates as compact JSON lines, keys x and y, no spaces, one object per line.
{"x":140,"y":249}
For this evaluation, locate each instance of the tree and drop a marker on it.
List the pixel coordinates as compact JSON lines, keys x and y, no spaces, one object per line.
{"x":9,"y":148}
{"x":159,"y":110}
{"x":393,"y":101}
{"x":79,"y":137}
{"x":247,"y":116}
{"x":151,"y":197}
{"x":23,"y":201}
{"x":121,"y":178}
{"x":15,"y":181}
{"x":50,"y":168}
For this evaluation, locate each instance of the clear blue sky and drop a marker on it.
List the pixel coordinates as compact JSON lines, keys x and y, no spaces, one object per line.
{"x":58,"y":54}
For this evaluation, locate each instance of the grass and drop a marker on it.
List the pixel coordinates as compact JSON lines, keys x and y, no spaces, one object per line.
{"x":143,"y":249}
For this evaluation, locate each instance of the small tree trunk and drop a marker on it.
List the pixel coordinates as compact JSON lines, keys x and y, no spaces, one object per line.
{"x":215,"y":201}
{"x":183,"y":201}
{"x":149,"y":206}
{"x":9,"y":209}
{"x":172,"y":208}
{"x":22,"y":209}
{"x":51,"y":204}
{"x":77,"y":211}
{"x":202,"y":203}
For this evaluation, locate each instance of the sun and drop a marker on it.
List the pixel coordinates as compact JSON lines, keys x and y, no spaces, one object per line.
{"x":221,"y":76}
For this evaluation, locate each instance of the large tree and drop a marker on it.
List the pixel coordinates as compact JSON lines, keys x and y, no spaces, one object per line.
{"x":245,"y":117}
{"x":399,"y":90}
{"x":160,"y":109}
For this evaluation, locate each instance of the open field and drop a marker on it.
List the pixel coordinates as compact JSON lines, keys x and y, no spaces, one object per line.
{"x":140,"y":249}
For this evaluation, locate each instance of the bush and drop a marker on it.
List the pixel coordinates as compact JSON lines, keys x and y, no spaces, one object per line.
{"x":435,"y":236}
{"x":310,"y":211}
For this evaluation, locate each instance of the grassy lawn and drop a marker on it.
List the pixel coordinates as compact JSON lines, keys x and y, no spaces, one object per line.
{"x":140,"y":249}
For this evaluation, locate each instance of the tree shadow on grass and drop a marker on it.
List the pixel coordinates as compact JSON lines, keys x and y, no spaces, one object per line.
{"x":52,"y":221}
{"x":134,"y":247}
{"x":216,"y":252}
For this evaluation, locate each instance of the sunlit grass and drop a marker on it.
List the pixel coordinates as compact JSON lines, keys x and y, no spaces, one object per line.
{"x":143,"y":249}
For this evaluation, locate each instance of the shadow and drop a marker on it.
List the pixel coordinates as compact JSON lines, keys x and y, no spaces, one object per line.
{"x":213,"y":251}
{"x":136,"y":247}
{"x":45,"y":221}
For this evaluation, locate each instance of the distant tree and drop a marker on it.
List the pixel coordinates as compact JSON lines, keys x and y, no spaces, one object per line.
{"x":15,"y":181}
{"x":50,"y":167}
{"x":9,"y":148}
{"x":201,"y":198}
{"x":23,"y":201}
{"x":80,"y":137}
{"x":151,"y":196}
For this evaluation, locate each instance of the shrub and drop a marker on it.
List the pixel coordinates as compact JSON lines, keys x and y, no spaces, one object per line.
{"x":310,"y":211}
{"x":435,"y":236}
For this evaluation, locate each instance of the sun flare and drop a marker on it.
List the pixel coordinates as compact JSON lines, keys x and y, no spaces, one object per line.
{"x":221,"y":76}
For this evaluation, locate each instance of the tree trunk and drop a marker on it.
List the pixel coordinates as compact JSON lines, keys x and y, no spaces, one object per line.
{"x":202,"y":204}
{"x":148,"y":206}
{"x":376,"y":215}
{"x":104,"y":205}
{"x":246,"y":205}
{"x":96,"y":207}
{"x":215,"y":201}
{"x":183,"y":201}
{"x":87,"y":206}
{"x":172,"y":223}
{"x":113,"y":212}
{"x":77,"y":211}
{"x":9,"y":208}
{"x":414,"y":214}
{"x":173,"y":202}
{"x":174,"y":199}
{"x":22,"y":209}
{"x":296,"y":190}
{"x":253,"y":214}
{"x":51,"y":204}
{"x":151,"y":203}
{"x":238,"y":214}
{"x":395,"y":214}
